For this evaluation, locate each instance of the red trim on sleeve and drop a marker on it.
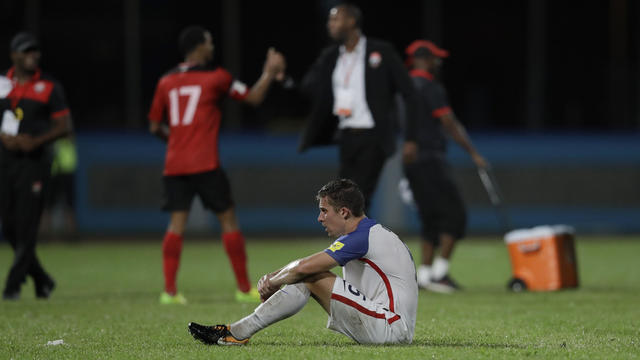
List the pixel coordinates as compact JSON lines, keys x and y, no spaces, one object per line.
{"x":238,"y":90}
{"x":441,"y":111}
{"x":385,"y":279}
{"x":57,"y":114}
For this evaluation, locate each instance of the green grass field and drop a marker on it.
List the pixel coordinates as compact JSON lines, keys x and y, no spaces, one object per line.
{"x":106,"y":306}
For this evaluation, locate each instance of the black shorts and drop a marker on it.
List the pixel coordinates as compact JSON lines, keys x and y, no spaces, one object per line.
{"x":436,"y":195}
{"x":212,"y":187}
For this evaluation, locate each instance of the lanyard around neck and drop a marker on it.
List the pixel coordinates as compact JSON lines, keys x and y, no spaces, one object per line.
{"x":350,"y":67}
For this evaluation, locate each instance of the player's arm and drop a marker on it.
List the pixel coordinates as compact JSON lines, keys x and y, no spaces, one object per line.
{"x":157,"y":114}
{"x":160,"y":130}
{"x":274,"y":67}
{"x":295,"y":272}
{"x":458,"y":133}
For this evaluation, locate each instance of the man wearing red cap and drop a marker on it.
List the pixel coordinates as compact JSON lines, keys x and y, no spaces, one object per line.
{"x":441,"y":209}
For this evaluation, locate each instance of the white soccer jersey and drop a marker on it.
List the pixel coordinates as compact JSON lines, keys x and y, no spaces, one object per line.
{"x":379,"y":264}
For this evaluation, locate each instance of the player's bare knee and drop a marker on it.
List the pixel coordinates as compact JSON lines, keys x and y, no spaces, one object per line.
{"x":228,"y":221}
{"x":178,"y":222}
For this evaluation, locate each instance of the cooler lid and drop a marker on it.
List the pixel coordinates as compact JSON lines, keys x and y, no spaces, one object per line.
{"x":537,"y":232}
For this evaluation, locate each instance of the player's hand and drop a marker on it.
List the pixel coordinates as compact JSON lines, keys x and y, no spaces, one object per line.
{"x":9,"y":142}
{"x":479,"y":161}
{"x":409,"y":152}
{"x":275,"y":64}
{"x":26,"y":143}
{"x":265,"y":288}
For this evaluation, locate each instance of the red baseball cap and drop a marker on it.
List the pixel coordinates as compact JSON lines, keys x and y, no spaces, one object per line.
{"x":420,"y":48}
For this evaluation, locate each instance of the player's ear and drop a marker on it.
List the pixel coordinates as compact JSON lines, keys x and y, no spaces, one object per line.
{"x":345,"y":213}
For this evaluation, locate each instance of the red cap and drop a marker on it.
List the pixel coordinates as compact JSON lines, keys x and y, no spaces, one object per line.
{"x":427,"y":45}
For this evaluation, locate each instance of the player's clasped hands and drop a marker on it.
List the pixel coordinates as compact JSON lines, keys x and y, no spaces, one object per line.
{"x":23,"y":142}
{"x":275,"y":64}
{"x":265,"y":288}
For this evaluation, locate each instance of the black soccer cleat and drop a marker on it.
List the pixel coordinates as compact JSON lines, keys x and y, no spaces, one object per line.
{"x":214,"y":335}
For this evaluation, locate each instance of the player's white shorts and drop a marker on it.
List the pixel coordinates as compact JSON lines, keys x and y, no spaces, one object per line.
{"x":361,"y":319}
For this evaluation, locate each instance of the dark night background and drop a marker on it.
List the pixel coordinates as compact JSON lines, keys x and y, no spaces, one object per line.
{"x":514,"y":65}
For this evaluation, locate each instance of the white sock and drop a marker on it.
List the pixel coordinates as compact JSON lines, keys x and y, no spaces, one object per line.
{"x":284,"y":303}
{"x":440,"y":268}
{"x":424,"y":274}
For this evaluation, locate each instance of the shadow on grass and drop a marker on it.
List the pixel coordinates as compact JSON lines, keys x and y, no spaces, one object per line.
{"x":467,"y":344}
{"x":417,"y":343}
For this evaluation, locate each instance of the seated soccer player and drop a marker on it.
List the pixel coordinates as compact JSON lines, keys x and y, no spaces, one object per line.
{"x":375,"y":301}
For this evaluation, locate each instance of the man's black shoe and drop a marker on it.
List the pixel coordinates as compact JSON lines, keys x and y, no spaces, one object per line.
{"x":45,"y":288}
{"x":11,"y":296}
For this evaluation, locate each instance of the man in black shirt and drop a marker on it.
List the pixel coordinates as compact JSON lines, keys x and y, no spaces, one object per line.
{"x":442,"y":211}
{"x":34,"y":112}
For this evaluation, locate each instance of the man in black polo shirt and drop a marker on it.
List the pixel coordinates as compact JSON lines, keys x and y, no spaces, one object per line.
{"x":34,"y":112}
{"x":442,"y":211}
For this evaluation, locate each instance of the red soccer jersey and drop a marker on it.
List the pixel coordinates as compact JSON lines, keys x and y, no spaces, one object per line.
{"x":188,"y":97}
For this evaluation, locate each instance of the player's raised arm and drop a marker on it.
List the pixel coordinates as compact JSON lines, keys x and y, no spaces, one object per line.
{"x":274,"y":68}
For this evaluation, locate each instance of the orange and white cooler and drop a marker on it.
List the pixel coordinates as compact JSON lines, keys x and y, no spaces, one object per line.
{"x":542,"y":258}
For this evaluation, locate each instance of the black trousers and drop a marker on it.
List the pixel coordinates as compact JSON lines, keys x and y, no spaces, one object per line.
{"x":440,"y":205}
{"x":22,"y":187}
{"x":361,"y":159}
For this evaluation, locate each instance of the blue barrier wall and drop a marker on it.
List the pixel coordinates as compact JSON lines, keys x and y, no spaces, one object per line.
{"x":588,"y":181}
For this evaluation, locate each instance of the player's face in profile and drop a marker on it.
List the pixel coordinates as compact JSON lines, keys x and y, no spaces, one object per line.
{"x":27,"y":60}
{"x":337,"y":25}
{"x":208,"y":46}
{"x":332,"y":222}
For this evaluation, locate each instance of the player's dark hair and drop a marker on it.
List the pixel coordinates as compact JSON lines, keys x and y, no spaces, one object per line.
{"x":343,"y":193}
{"x":190,"y":38}
{"x":353,"y":12}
